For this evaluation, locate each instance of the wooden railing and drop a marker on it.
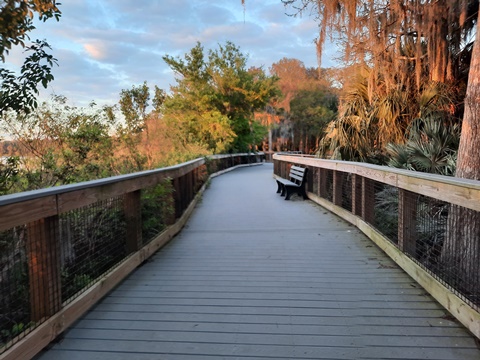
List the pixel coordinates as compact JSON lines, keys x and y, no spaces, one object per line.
{"x":428,"y":224}
{"x":63,"y":248}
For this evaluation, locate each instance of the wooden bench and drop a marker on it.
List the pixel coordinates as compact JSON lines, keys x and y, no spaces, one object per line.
{"x":295,"y":184}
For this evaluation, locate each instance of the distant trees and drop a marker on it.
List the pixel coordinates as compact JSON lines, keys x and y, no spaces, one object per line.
{"x":310,"y":113}
{"x":58,"y":144}
{"x":308,"y":103}
{"x":212,"y":106}
{"x":398,"y":55}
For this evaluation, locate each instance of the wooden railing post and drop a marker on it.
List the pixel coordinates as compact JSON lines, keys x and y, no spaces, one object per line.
{"x":177,"y":196}
{"x":323,"y":183}
{"x":337,"y":187}
{"x":133,"y":218}
{"x":191,"y":186}
{"x":368,"y":200}
{"x":407,"y":210}
{"x":356,"y":195}
{"x":44,"y":267}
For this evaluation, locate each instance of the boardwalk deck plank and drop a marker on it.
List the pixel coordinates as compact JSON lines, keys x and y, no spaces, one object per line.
{"x":255,"y":277}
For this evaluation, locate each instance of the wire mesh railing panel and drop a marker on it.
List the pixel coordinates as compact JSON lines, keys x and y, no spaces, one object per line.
{"x":440,"y":236}
{"x":93,"y":241}
{"x":157,"y":208}
{"x":311,"y":184}
{"x":346,"y":190}
{"x":328,"y":185}
{"x":201,"y":176}
{"x":457,"y":262}
{"x":385,"y":212}
{"x":15,"y":316}
{"x":429,"y":226}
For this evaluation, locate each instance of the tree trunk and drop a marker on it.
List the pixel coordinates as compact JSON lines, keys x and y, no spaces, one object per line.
{"x":439,"y":52}
{"x":461,"y":250}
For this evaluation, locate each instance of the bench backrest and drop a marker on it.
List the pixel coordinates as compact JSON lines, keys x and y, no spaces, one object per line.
{"x":297,"y":174}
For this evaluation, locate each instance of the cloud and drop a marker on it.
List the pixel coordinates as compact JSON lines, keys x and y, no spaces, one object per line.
{"x":95,"y":51}
{"x":109,"y":45}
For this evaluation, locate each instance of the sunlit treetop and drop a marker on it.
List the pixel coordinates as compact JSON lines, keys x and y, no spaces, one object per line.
{"x":16,"y":20}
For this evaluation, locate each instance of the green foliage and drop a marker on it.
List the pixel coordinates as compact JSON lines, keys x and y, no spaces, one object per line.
{"x":312,"y":110}
{"x":9,"y":174}
{"x":18,"y":93}
{"x":135,"y":133}
{"x":73,"y":283}
{"x":94,"y":242}
{"x":16,"y":20}
{"x":15,"y":301}
{"x":386,"y":211}
{"x":213,"y":103}
{"x":133,"y":104}
{"x":367,"y":122}
{"x":157,"y":209}
{"x":349,"y":136}
{"x":17,"y":329}
{"x":158,"y":99}
{"x":431,"y":147}
{"x":59,"y":144}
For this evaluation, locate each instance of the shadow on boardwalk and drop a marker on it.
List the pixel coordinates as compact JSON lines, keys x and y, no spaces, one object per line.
{"x":255,"y":277}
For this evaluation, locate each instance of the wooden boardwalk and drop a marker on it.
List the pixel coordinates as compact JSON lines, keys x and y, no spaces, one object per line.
{"x":255,"y":277}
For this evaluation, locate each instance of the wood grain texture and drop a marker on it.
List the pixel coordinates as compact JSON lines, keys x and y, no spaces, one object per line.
{"x":457,"y":191}
{"x":464,"y":313}
{"x":241,"y":282}
{"x":28,"y":211}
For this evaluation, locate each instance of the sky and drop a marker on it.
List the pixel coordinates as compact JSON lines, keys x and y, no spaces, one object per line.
{"x":104,"y":46}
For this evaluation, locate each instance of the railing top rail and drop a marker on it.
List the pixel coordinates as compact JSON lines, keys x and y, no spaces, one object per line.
{"x":35,"y":194}
{"x":463,"y":192}
{"x":167,"y":171}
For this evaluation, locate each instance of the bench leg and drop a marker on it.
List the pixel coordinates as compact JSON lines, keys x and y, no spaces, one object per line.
{"x":304,"y":194}
{"x":290,"y":190}
{"x":279,"y":187}
{"x":288,"y":193}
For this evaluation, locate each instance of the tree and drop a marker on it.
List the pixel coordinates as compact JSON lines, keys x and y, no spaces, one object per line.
{"x":59,"y":144}
{"x":461,"y":251}
{"x":311,"y":111}
{"x":431,"y":147}
{"x":133,"y":105}
{"x":212,"y":106}
{"x":300,"y":87}
{"x":16,"y":20}
{"x":408,"y":47}
{"x":292,"y":78}
{"x":19,"y":93}
{"x":405,"y":42}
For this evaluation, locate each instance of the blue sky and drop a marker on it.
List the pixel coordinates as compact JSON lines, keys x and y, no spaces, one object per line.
{"x":105,"y":46}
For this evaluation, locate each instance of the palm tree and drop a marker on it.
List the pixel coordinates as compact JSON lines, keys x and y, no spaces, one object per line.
{"x":431,"y":147}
